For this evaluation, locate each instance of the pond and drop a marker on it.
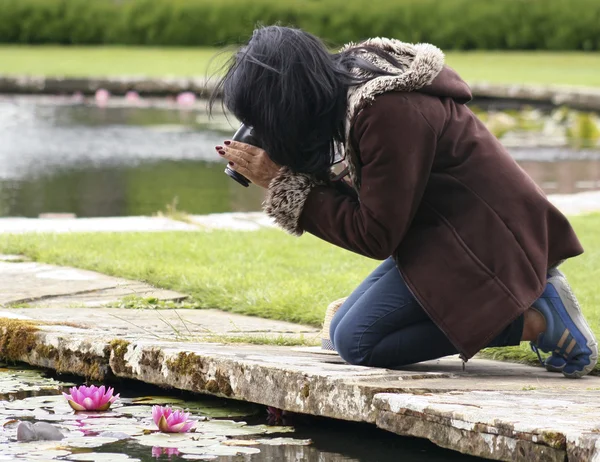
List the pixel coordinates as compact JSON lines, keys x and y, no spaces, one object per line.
{"x":225,"y":430}
{"x":71,"y":156}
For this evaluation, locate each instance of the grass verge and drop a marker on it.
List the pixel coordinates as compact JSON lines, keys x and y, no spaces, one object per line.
{"x":565,"y":68}
{"x":265,"y":273}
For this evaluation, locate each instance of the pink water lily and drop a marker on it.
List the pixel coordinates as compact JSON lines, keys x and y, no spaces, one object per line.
{"x":90,"y":398}
{"x":186,"y":98}
{"x":169,"y":421}
{"x":157,"y":451}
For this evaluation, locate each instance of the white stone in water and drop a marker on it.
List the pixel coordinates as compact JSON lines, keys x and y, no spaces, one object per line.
{"x":39,"y":431}
{"x":25,"y":432}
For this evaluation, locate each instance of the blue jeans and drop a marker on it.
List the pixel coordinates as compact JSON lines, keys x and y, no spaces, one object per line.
{"x":382,"y":325}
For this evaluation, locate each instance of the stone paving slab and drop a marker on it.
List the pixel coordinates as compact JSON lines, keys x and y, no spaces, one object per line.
{"x":109,"y":224}
{"x":53,"y":292}
{"x":167,"y":325}
{"x":512,"y":422}
{"x":30,"y":282}
{"x":569,"y":204}
{"x":508,"y":425}
{"x":238,"y":221}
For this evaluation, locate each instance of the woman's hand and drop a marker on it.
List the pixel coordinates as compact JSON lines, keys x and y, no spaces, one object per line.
{"x":252,"y":162}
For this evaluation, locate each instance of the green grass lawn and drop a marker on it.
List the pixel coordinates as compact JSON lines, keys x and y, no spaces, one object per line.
{"x":503,"y":67}
{"x":266,"y":273}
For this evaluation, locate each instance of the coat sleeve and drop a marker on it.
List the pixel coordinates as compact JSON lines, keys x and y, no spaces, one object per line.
{"x":396,"y":147}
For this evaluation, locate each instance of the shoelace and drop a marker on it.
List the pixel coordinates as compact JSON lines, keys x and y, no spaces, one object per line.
{"x":537,"y":351}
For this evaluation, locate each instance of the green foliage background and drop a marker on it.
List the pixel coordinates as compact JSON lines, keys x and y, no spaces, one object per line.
{"x":450,"y":24}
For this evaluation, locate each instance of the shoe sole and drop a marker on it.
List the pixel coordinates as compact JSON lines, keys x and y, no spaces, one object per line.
{"x":551,"y":368}
{"x":559,"y":281}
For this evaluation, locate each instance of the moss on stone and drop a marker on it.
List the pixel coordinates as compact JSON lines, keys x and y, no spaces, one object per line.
{"x":152,"y":359}
{"x":18,"y":338}
{"x":194,"y":367}
{"x":305,"y":390}
{"x":47,"y":352}
{"x":554,"y":439}
{"x":223,"y":383}
{"x":118,"y":364}
{"x":185,"y":363}
{"x":188,"y":364}
{"x":88,"y":365}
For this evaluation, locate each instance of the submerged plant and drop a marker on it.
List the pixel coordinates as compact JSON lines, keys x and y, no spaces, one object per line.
{"x":91,"y":398}
{"x":169,"y":421}
{"x":276,"y":416}
{"x":584,"y":129}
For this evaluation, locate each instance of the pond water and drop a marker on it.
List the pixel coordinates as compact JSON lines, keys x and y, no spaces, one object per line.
{"x":61,"y":155}
{"x":225,"y":431}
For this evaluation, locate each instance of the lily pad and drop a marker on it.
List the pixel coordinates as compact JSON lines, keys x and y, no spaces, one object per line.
{"x":135,"y":411}
{"x":174,"y":440}
{"x":154,"y":400}
{"x":270,"y":429}
{"x":198,"y":457}
{"x":221,"y":410}
{"x":284,"y":442}
{"x":218,"y":450}
{"x":101,"y":457}
{"x":48,"y":454}
{"x":89,"y":442}
{"x":14,"y":380}
{"x":231,"y":428}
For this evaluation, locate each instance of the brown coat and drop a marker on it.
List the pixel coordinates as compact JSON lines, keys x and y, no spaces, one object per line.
{"x":471,"y":233}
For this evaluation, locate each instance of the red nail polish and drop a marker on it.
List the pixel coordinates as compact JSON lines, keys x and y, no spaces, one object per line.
{"x":227,"y":143}
{"x":218,"y":148}
{"x":222,"y":153}
{"x":231,"y":163}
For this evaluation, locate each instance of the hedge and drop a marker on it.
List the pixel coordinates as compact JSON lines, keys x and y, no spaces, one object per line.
{"x":450,"y":24}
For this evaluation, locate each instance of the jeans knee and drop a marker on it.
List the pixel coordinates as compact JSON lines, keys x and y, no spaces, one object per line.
{"x":348,"y":348}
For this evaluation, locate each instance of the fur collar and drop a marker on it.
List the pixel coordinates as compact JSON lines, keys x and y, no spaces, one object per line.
{"x":421,"y":63}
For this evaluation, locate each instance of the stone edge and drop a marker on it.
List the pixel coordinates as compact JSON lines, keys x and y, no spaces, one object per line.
{"x":68,"y":349}
{"x":585,"y":98}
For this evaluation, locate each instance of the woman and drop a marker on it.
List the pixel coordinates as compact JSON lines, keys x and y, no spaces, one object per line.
{"x":470,"y":244}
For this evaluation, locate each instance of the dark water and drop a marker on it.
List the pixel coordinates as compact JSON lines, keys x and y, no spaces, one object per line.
{"x":57,"y":156}
{"x":331,"y":441}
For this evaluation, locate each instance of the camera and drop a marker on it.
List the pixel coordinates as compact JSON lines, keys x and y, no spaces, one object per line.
{"x":244,"y":134}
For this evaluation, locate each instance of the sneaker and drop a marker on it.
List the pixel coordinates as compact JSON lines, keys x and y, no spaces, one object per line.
{"x":567,"y":337}
{"x":554,"y":363}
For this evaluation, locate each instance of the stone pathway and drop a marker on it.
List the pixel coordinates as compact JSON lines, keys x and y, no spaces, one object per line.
{"x":491,"y":409}
{"x":571,"y":204}
{"x":250,"y":221}
{"x":47,"y":293}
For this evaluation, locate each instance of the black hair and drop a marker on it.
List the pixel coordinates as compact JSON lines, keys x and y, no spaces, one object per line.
{"x":287,"y":85}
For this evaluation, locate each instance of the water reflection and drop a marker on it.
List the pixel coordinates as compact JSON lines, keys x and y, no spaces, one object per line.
{"x":199,"y":187}
{"x":61,"y":157}
{"x":564,"y":176}
{"x":125,"y":431}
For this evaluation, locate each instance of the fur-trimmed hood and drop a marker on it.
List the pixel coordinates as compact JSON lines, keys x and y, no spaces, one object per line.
{"x":422,"y":70}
